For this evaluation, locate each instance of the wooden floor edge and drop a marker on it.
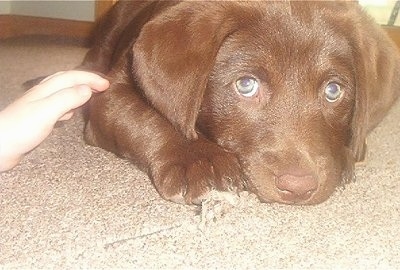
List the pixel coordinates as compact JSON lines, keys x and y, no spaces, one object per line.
{"x":17,"y":25}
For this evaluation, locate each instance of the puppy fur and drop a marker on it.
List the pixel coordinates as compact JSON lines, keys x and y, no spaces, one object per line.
{"x":176,"y":106}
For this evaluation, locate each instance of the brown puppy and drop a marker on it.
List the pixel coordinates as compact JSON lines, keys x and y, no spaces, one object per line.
{"x":273,"y":97}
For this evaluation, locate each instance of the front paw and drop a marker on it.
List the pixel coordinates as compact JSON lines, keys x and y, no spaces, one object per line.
{"x":187,"y":175}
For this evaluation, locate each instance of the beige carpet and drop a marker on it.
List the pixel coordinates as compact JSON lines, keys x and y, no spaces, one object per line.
{"x":69,"y":205}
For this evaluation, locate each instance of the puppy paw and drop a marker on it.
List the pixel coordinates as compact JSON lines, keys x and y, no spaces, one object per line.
{"x":189,"y":176}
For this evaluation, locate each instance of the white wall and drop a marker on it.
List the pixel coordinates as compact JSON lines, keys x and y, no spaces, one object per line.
{"x":83,"y":10}
{"x":5,"y":7}
{"x":380,"y":10}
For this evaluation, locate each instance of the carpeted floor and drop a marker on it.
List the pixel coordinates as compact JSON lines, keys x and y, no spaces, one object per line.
{"x":69,"y":205}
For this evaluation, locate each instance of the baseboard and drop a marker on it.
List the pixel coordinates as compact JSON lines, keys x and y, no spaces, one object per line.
{"x":394,"y":33}
{"x":16,"y":25}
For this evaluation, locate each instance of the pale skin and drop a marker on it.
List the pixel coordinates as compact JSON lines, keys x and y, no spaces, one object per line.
{"x":26,"y":122}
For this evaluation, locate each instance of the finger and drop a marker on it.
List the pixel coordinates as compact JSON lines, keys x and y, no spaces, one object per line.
{"x":60,"y":104}
{"x":66,"y":116}
{"x":75,"y":77}
{"x":51,"y":76}
{"x":66,"y":79}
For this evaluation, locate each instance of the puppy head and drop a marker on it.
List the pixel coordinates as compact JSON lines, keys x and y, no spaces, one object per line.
{"x":281,"y":84}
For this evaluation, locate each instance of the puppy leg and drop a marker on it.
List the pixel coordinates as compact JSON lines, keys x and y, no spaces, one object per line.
{"x":183,"y":171}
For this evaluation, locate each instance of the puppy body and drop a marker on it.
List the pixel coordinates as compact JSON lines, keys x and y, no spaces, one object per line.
{"x":273,"y":97}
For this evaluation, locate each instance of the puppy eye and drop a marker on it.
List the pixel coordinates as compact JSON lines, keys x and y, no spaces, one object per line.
{"x":333,"y":92}
{"x":247,"y":86}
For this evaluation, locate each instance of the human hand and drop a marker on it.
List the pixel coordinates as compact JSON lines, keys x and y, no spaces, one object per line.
{"x":26,"y":122}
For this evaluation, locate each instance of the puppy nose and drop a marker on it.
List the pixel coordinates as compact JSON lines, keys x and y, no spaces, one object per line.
{"x":294,"y":188}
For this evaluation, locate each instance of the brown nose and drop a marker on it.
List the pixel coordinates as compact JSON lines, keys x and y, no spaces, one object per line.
{"x":294,"y":188}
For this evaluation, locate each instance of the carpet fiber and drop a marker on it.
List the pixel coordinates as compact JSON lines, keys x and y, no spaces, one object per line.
{"x":70,"y":205}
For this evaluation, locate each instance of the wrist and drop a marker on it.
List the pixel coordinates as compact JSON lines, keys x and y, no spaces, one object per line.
{"x":8,"y":163}
{"x":7,"y":160}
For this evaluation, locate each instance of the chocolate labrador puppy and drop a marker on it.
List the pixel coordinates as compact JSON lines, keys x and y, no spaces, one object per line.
{"x":273,"y":97}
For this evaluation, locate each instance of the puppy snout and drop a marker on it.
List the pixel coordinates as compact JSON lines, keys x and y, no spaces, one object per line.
{"x":296,"y":188}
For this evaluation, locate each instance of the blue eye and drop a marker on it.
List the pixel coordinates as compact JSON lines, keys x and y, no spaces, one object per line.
{"x":333,"y":92}
{"x":247,"y":86}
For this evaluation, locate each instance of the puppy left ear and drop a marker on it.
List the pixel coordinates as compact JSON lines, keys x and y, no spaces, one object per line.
{"x":377,"y":69}
{"x":174,"y":55}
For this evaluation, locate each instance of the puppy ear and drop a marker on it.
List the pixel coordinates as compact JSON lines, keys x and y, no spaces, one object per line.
{"x":173,"y":57}
{"x":377,"y":69}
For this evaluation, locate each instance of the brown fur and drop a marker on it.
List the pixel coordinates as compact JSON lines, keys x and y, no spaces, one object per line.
{"x":173,"y":110}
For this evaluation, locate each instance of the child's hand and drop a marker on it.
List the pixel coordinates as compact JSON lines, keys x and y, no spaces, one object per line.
{"x":25,"y":123}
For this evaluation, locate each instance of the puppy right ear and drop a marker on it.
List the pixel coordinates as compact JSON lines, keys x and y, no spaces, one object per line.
{"x":174,"y":55}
